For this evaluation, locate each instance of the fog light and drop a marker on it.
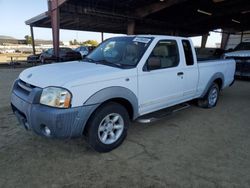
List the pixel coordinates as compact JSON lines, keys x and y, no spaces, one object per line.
{"x":47,"y":131}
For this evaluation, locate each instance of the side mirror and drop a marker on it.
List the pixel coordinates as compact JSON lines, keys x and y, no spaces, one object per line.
{"x":153,"y":63}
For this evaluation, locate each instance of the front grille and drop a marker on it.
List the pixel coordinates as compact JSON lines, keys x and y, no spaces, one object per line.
{"x":24,"y":87}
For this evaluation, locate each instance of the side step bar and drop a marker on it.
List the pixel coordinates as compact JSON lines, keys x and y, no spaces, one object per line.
{"x":154,"y":116}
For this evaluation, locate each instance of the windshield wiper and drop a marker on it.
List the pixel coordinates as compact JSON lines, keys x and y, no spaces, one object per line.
{"x":89,"y":60}
{"x":104,"y":62}
{"x":126,"y":65}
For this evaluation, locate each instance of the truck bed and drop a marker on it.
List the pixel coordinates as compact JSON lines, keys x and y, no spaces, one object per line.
{"x":210,"y":68}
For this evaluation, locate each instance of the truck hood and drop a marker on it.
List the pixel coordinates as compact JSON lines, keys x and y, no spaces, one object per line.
{"x":59,"y":74}
{"x":242,"y":53}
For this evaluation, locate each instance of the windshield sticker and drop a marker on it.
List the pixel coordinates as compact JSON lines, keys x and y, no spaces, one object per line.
{"x":143,"y":40}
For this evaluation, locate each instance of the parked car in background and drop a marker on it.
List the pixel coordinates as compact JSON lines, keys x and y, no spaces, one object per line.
{"x":65,"y":54}
{"x":84,"y":50}
{"x":33,"y":58}
{"x":241,"y":54}
{"x":10,"y":51}
{"x":6,"y":51}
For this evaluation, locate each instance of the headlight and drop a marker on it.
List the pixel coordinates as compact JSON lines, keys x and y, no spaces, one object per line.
{"x":56,"y":97}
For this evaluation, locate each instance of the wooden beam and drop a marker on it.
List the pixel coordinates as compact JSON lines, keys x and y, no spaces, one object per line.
{"x":59,"y":3}
{"x":55,"y":24}
{"x":32,"y":40}
{"x":218,"y":1}
{"x":102,"y":37}
{"x":131,"y":27}
{"x":156,"y":7}
{"x":218,"y":15}
{"x":204,"y":40}
{"x":241,"y":36}
{"x":224,"y":40}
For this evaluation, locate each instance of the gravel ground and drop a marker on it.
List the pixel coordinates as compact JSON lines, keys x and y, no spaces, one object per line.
{"x":193,"y":148}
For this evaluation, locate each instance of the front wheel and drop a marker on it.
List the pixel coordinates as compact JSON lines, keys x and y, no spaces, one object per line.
{"x":107,"y":127}
{"x":211,"y":98}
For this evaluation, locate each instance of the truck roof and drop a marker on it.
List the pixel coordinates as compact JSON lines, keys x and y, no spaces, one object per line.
{"x":158,"y":36}
{"x":162,"y":36}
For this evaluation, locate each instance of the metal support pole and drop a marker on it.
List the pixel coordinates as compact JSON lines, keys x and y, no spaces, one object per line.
{"x":224,"y":40}
{"x":102,"y":36}
{"x":55,"y":24}
{"x":32,"y":40}
{"x":204,"y":40}
{"x":241,"y":36}
{"x":131,"y":28}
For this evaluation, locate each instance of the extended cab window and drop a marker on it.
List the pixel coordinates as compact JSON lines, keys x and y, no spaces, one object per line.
{"x":164,"y":55}
{"x":188,"y":52}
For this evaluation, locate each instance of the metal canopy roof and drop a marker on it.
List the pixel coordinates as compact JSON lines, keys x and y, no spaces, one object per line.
{"x":175,"y":17}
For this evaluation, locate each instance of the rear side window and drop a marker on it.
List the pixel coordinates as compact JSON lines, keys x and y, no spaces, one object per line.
{"x":188,"y":52}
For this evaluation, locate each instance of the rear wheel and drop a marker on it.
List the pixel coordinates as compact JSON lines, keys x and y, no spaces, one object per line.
{"x":211,"y":98}
{"x":107,"y":127}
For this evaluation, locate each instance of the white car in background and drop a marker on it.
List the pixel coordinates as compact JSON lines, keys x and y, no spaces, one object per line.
{"x":84,"y":50}
{"x":6,"y":51}
{"x":241,"y":54}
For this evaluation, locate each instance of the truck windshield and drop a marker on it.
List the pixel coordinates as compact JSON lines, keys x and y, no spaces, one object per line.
{"x":121,"y":52}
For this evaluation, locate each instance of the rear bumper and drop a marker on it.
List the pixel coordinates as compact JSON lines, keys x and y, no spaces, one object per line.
{"x":62,"y":123}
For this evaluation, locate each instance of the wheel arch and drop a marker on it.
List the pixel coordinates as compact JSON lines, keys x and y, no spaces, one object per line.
{"x":125,"y":103}
{"x":217,"y":78}
{"x":117,"y":94}
{"x":219,"y":82}
{"x":120,"y":95}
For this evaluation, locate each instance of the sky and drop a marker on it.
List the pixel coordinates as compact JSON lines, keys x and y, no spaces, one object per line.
{"x":13,"y":14}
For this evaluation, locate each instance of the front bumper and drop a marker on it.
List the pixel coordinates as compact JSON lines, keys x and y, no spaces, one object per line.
{"x":62,"y":123}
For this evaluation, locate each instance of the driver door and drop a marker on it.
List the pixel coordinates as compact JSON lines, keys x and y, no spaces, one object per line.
{"x":161,"y":80}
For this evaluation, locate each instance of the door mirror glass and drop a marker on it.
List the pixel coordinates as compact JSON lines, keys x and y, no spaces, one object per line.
{"x":153,"y":63}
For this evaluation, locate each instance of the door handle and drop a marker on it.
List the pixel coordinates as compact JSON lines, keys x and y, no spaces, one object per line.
{"x":180,"y":74}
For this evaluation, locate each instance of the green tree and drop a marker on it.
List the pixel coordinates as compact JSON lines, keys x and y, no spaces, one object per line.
{"x":90,"y":43}
{"x":85,"y":43}
{"x":74,"y":42}
{"x":28,"y":39}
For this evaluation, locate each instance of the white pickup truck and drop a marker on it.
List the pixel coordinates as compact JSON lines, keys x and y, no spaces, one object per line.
{"x":123,"y":79}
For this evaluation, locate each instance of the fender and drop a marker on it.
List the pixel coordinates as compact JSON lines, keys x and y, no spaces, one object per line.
{"x":114,"y":92}
{"x":212,"y":79}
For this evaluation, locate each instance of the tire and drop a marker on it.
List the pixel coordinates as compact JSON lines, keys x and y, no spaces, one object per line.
{"x":107,"y":127}
{"x":211,"y":98}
